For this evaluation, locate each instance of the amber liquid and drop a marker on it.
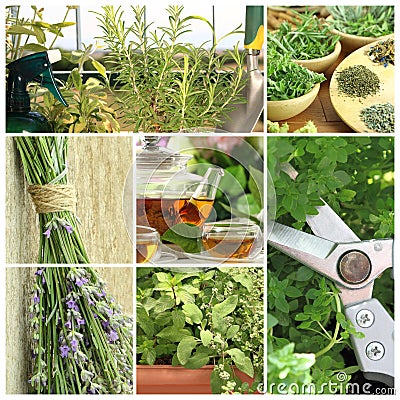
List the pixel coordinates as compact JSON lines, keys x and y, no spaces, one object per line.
{"x":162,"y":214}
{"x":228,"y":248}
{"x":145,"y":251}
{"x":195,"y":211}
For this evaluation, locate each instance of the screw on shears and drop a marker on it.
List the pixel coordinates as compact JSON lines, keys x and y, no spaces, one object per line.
{"x":365,"y":318}
{"x":375,"y":351}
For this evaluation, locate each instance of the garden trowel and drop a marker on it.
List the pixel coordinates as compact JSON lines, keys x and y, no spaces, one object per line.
{"x":244,"y":116}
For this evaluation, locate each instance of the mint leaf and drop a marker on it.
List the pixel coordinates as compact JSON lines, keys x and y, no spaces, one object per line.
{"x":187,"y":236}
{"x":242,"y":361}
{"x":185,"y":347}
{"x":193,"y":313}
{"x":206,"y":337}
{"x":256,"y":185}
{"x":227,"y":306}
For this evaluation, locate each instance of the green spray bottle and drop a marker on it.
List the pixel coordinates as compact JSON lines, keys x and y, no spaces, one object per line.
{"x":34,"y":67}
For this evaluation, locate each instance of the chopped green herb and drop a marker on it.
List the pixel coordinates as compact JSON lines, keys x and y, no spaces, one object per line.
{"x":287,"y":80}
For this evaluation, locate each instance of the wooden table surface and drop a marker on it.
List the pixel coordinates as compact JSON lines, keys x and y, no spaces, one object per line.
{"x":321,"y":110}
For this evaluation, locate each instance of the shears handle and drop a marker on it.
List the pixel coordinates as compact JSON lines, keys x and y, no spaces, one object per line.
{"x":254,"y":30}
{"x":374,"y":352}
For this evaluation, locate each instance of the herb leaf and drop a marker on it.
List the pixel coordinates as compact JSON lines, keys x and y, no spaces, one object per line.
{"x":187,"y":236}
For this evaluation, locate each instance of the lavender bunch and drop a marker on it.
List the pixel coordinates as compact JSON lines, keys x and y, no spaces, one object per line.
{"x":45,"y":163}
{"x":82,"y":342}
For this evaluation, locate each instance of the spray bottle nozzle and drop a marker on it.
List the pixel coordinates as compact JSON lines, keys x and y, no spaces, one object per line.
{"x":36,"y":67}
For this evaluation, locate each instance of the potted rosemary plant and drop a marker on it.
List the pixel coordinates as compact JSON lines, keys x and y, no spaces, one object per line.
{"x":164,"y":84}
{"x":199,"y":327}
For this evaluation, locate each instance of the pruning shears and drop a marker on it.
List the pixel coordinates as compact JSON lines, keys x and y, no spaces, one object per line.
{"x":336,"y":252}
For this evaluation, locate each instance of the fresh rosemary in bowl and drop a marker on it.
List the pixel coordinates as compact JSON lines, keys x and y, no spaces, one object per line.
{"x":312,"y":38}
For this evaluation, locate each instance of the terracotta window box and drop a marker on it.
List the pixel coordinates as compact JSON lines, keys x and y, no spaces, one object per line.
{"x":165,"y":379}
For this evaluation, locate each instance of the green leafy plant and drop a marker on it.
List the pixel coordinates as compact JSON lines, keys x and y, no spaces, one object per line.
{"x":370,"y":21}
{"x":165,"y":85}
{"x":198,"y":318}
{"x":312,"y":38}
{"x":88,"y":109}
{"x":355,"y":176}
{"x":286,"y":79}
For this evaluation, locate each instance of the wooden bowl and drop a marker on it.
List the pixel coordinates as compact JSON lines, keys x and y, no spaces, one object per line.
{"x":279,"y":110}
{"x":349,"y":108}
{"x":323,"y":63}
{"x":351,"y":43}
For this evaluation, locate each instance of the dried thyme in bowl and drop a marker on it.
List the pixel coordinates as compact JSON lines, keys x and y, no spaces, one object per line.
{"x":379,"y":117}
{"x":358,"y":81}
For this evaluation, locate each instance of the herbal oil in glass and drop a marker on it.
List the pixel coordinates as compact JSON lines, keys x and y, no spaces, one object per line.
{"x":147,"y":244}
{"x":233,"y":240}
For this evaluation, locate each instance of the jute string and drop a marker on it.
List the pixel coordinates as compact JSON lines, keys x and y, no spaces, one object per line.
{"x":53,"y":198}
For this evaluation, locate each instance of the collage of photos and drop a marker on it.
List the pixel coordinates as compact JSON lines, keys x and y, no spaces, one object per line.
{"x":197,"y":204}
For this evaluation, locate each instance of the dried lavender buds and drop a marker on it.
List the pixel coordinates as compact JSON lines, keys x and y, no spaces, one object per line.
{"x":382,"y":52}
{"x":379,"y":117}
{"x":358,"y":81}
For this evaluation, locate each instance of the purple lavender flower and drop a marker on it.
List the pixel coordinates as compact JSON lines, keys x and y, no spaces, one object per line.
{"x":47,"y":232}
{"x":109,"y":312}
{"x":36,"y":298}
{"x":81,"y":281}
{"x":68,"y":228}
{"x":80,"y":321}
{"x":72,"y":304}
{"x":39,"y":272}
{"x":90,"y":301}
{"x":105,"y":324}
{"x":113,"y":336}
{"x":64,"y":351}
{"x":68,"y":324}
{"x":74,"y":345}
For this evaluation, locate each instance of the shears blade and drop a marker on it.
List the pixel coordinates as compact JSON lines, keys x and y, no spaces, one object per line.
{"x":326,"y":224}
{"x":295,"y":240}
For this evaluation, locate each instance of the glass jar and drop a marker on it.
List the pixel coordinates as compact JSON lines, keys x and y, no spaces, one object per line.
{"x":232,"y":240}
{"x":167,"y":193}
{"x":147,"y":244}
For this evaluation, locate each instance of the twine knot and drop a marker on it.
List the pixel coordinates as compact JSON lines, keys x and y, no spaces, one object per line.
{"x":53,"y":198}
